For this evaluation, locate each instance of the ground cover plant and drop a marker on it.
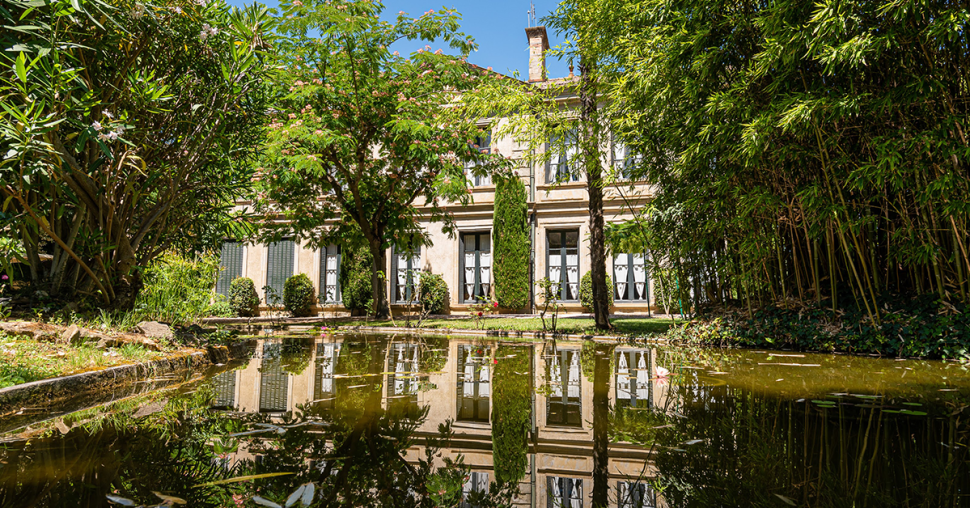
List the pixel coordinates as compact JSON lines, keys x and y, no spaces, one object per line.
{"x":24,"y":360}
{"x":127,"y":131}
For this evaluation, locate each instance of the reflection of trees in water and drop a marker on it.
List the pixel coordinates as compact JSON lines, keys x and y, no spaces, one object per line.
{"x":757,"y":450}
{"x":511,"y":413}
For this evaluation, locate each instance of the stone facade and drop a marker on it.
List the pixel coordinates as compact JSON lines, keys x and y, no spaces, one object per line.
{"x":553,"y":208}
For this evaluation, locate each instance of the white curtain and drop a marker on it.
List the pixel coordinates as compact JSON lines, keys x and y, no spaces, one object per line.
{"x":574,"y":376}
{"x":331,"y":279}
{"x":486,"y":274}
{"x":470,"y":275}
{"x":572,"y":275}
{"x":639,"y":277}
{"x":620,"y":269}
{"x":469,"y":375}
{"x":555,"y":377}
{"x":399,"y":381}
{"x":555,"y":272}
{"x":643,"y":378}
{"x":623,"y":379}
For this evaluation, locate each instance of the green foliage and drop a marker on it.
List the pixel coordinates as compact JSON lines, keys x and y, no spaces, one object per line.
{"x":127,"y":129}
{"x":243,"y":298}
{"x":511,"y":243}
{"x":356,"y":265}
{"x":912,"y":327}
{"x":343,"y":94}
{"x":786,"y":144}
{"x":511,"y":413}
{"x":298,"y":295}
{"x":434,"y":292}
{"x":586,"y":290}
{"x":178,"y":290}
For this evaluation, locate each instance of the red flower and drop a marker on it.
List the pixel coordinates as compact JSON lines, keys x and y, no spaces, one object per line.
{"x":479,"y":314}
{"x":496,"y":362}
{"x":494,"y":305}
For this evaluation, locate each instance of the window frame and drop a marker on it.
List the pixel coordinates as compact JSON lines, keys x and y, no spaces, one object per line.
{"x":269,"y":269}
{"x":322,"y":284}
{"x":410,"y":281}
{"x":464,"y":351}
{"x":564,"y":279}
{"x":224,"y":282}
{"x":631,"y":279}
{"x":478,"y":268}
{"x":484,"y":148}
{"x":554,"y":171}
{"x":564,"y":399}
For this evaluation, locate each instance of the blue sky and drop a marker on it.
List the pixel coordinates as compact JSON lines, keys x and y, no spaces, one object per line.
{"x":498,"y":27}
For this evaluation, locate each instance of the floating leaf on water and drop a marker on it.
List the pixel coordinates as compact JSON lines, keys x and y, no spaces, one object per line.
{"x":169,"y":499}
{"x":947,"y":389}
{"x":890,"y":411}
{"x":693,"y":441}
{"x":787,"y":500}
{"x":780,"y":379}
{"x":295,"y":496}
{"x":912,"y":404}
{"x":913,"y":413}
{"x":265,"y":502}
{"x":123,"y":501}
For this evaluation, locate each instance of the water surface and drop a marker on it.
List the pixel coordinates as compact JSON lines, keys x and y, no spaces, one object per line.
{"x":402,"y":420}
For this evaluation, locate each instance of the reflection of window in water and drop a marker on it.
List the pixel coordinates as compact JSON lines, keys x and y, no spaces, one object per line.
{"x":273,"y":381}
{"x":323,"y":386}
{"x":224,"y":388}
{"x":633,"y":387}
{"x":564,"y":404}
{"x":474,"y":390}
{"x":565,"y":492}
{"x":477,"y":482}
{"x":635,"y":495}
{"x":402,"y":383}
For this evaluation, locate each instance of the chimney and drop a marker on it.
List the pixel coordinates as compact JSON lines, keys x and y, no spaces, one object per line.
{"x":538,"y":45}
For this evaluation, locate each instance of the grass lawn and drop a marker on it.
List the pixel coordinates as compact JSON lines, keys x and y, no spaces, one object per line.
{"x":586,"y":326}
{"x":26,"y":360}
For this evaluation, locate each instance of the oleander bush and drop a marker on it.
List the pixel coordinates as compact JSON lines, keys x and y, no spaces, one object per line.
{"x":298,"y":295}
{"x":511,"y":247}
{"x":355,"y":280}
{"x":586,"y":290}
{"x":243,"y":298}
{"x":433,"y":291}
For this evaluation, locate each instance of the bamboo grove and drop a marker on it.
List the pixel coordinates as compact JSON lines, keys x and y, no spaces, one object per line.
{"x":802,"y":154}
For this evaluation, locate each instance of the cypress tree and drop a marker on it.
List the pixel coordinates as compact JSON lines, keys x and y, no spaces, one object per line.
{"x":510,"y":233}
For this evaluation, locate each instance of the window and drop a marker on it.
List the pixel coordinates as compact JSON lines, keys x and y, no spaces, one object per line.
{"x":562,"y":249}
{"x":477,"y":482}
{"x":274,"y":385}
{"x":279,"y":265}
{"x":482,"y":143}
{"x":565,"y":492}
{"x":633,"y":387}
{"x":630,"y":278}
{"x":330,"y":275}
{"x":564,"y":404}
{"x":402,"y":383}
{"x":323,"y":382}
{"x":231,"y":260}
{"x":407,"y":270}
{"x":635,"y":495}
{"x":623,"y":160}
{"x":476,"y":266}
{"x":224,"y":386}
{"x":474,"y":390}
{"x":565,"y":164}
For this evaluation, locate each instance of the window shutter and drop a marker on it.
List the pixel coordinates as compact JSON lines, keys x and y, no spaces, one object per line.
{"x":230,"y":260}
{"x":279,"y":265}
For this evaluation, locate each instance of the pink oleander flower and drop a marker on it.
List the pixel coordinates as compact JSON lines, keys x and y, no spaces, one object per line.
{"x":662,"y":372}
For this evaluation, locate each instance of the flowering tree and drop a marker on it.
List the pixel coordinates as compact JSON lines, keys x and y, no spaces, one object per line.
{"x":357,"y":141}
{"x":124,"y":131}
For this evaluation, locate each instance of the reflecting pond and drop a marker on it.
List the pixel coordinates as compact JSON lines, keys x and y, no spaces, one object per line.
{"x":405,"y":420}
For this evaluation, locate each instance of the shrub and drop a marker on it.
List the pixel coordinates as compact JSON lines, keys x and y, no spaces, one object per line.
{"x":243,"y":299}
{"x":434,"y":292}
{"x":177,"y":289}
{"x":298,"y":295}
{"x":355,"y":283}
{"x":586,"y":290}
{"x":510,"y":232}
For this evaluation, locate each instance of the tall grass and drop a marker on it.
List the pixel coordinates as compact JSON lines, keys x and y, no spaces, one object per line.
{"x":179,"y":290}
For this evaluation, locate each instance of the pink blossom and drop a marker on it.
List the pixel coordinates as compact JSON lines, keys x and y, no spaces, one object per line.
{"x":662,"y":372}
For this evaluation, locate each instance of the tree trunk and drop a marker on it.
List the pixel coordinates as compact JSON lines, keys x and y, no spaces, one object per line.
{"x":377,"y":277}
{"x":601,"y":421}
{"x":589,"y":127}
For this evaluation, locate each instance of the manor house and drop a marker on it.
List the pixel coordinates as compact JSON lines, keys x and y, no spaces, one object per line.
{"x":559,"y":224}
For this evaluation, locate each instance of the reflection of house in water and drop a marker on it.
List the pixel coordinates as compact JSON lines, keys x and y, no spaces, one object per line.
{"x":559,"y":445}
